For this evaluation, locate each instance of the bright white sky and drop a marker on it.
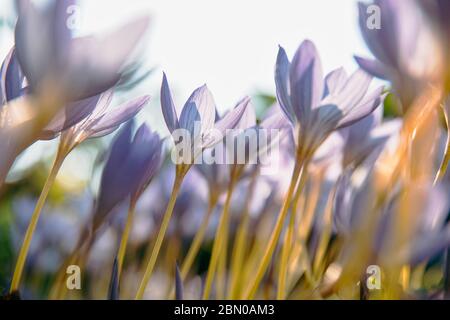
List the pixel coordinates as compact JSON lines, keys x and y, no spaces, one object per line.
{"x":232,"y":45}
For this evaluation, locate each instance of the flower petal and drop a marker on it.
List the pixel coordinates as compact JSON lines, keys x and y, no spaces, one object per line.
{"x":353,"y":91}
{"x":306,"y":80}
{"x":168,"y":107}
{"x":11,"y":78}
{"x":114,"y":118}
{"x":229,"y":121}
{"x":69,"y":116}
{"x":199,"y":107}
{"x":103,"y":57}
{"x":373,"y":67}
{"x":366,"y":107}
{"x":42,"y":39}
{"x":282,"y":84}
{"x":335,"y":81}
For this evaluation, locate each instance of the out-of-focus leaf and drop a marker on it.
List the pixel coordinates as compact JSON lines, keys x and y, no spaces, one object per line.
{"x":391,"y":106}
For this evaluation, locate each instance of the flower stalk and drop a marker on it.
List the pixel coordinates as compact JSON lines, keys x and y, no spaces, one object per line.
{"x":221,"y":234}
{"x":180,"y":174}
{"x":270,"y":248}
{"x":24,"y":249}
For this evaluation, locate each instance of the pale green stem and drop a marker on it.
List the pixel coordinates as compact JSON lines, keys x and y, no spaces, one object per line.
{"x":219,"y":238}
{"x":286,"y":248}
{"x":198,"y":240}
{"x":240,"y":246}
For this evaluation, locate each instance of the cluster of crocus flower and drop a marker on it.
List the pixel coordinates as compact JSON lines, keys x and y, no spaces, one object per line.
{"x":352,"y":188}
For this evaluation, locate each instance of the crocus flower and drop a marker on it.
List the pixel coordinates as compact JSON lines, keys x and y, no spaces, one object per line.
{"x":316,"y":106}
{"x":79,"y":67}
{"x":366,"y":138}
{"x":404,"y":50}
{"x":131,"y":164}
{"x":438,"y":12}
{"x":427,"y":212}
{"x":197,"y":119}
{"x":101,"y":121}
{"x":56,"y":70}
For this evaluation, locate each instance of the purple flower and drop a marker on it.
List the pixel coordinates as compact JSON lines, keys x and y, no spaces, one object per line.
{"x":101,"y":119}
{"x":320,"y":106}
{"x":427,"y":208}
{"x":404,"y":50}
{"x":78,"y":67}
{"x":366,"y":138}
{"x":55,"y":70}
{"x":439,"y":14}
{"x":197,"y":118}
{"x":131,"y":164}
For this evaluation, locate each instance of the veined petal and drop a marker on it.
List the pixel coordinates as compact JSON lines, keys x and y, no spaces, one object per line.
{"x":353,"y":91}
{"x":69,"y":116}
{"x":335,"y":81}
{"x":365,"y":107}
{"x":248,"y":118}
{"x":168,"y":107}
{"x":282,"y":84}
{"x":306,"y":80}
{"x":199,"y":107}
{"x":229,"y":121}
{"x":114,"y":118}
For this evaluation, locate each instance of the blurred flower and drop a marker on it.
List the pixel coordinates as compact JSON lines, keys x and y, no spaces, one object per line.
{"x":427,"y":211}
{"x":438,"y":12}
{"x":56,"y":70}
{"x":366,"y":138}
{"x":403,"y":46}
{"x":79,"y":67}
{"x":319,"y":107}
{"x":131,"y":164}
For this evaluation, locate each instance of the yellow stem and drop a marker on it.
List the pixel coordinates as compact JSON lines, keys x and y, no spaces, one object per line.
{"x":221,"y":269}
{"x":240,"y":246}
{"x":162,"y":231}
{"x":125,"y":236}
{"x":283,"y":269}
{"x":286,"y":247}
{"x":198,"y":240}
{"x":23,"y":253}
{"x":254,"y":283}
{"x":219,"y":237}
